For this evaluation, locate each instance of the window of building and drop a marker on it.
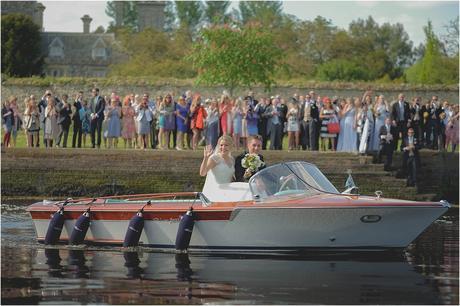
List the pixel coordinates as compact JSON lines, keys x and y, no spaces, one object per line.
{"x":56,"y":48}
{"x":99,"y":50}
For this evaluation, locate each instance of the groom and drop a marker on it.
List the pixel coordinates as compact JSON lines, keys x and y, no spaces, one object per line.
{"x":254,"y":146}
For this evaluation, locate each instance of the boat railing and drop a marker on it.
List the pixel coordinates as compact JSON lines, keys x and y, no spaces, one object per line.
{"x":136,"y":197}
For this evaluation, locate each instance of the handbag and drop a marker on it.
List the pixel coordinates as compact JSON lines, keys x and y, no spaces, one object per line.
{"x":333,"y":128}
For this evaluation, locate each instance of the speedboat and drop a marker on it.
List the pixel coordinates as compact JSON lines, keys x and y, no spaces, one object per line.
{"x":288,"y":206}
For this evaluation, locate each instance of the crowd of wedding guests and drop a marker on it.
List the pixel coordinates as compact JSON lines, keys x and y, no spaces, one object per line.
{"x":310,"y":122}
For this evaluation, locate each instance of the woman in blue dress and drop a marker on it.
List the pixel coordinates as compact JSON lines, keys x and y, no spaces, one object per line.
{"x":113,"y":123}
{"x":212,"y":124}
{"x":381,"y":112}
{"x":347,"y":136}
{"x":237,"y":115}
{"x":167,"y":121}
{"x":182,"y":114}
{"x":85,"y":112}
{"x":252,"y":118}
{"x":7,"y":122}
{"x":144,"y":117}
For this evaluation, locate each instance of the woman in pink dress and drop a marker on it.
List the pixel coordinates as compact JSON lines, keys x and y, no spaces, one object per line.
{"x":128,"y":128}
{"x":225,"y":112}
{"x":452,"y":129}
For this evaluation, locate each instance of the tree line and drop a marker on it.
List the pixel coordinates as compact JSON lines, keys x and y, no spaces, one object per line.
{"x":194,"y":45}
{"x":258,"y":43}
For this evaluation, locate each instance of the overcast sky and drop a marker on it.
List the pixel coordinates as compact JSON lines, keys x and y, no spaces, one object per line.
{"x":64,"y":16}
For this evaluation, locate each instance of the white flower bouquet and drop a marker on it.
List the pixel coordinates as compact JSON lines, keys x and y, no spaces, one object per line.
{"x":252,"y":163}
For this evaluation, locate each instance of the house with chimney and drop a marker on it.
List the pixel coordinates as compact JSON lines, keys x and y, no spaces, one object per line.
{"x":82,"y":54}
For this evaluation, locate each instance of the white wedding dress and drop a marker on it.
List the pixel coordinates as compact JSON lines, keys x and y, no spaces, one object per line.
{"x":218,"y":186}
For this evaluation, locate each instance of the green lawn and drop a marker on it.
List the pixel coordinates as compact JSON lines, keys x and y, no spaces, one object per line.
{"x":21,"y":141}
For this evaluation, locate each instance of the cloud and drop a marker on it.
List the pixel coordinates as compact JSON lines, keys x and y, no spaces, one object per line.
{"x":419,"y":4}
{"x":404,"y":18}
{"x":368,"y":4}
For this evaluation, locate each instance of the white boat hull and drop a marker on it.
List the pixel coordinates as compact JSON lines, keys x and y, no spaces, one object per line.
{"x":276,"y":228}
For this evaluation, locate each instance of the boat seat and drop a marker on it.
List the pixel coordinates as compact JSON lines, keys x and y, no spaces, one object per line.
{"x":232,"y":192}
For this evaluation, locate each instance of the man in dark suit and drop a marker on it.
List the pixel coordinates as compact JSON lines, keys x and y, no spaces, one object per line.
{"x":283,"y":109}
{"x":411,"y":158}
{"x":262,"y":121}
{"x":254,"y":146}
{"x":274,"y":124}
{"x":387,"y":136}
{"x":416,"y":117}
{"x":400,"y":115}
{"x":63,"y":120}
{"x":97,"y":116}
{"x":77,"y":127}
{"x":433,"y":110}
{"x":316,"y":120}
{"x":41,"y":108}
{"x":442,"y":123}
{"x":309,"y":117}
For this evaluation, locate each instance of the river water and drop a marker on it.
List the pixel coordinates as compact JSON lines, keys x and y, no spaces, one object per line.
{"x":425,"y":273}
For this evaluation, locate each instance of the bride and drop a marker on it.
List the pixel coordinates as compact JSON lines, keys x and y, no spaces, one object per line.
{"x":218,"y":167}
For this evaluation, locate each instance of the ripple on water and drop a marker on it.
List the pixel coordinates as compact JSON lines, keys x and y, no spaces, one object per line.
{"x":17,"y":226}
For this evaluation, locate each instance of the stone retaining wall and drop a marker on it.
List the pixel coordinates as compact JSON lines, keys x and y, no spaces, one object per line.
{"x":87,"y":172}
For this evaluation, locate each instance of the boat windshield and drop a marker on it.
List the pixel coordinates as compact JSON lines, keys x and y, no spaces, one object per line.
{"x":289,"y":179}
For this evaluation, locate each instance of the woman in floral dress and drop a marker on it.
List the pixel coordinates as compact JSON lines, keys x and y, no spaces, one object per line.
{"x":128,"y":130}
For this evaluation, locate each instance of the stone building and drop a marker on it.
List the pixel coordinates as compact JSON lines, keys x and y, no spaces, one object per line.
{"x":83,"y":54}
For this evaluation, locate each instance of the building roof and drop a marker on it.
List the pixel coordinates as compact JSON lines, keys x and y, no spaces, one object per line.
{"x":78,"y":47}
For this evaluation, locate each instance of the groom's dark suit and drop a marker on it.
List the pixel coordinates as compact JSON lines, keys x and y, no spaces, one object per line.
{"x":97,"y":107}
{"x":239,"y":170}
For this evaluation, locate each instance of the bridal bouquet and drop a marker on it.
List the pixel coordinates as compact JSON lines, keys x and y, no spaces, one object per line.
{"x":252,"y":163}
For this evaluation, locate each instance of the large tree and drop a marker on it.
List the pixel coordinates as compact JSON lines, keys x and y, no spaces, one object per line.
{"x":236,"y":57}
{"x":152,"y":53}
{"x":128,"y":17}
{"x":450,"y":38}
{"x":434,"y":67}
{"x":388,"y":47}
{"x":316,"y":40}
{"x":184,"y":16}
{"x":21,"y":55}
{"x":267,"y":13}
{"x":216,"y":12}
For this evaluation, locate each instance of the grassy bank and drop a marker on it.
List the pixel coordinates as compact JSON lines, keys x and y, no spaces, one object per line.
{"x":21,"y":142}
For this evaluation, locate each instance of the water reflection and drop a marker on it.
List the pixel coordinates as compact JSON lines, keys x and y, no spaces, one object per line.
{"x":77,"y":265}
{"x":184,"y":272}
{"x":132,"y":264}
{"x":158,"y":278}
{"x":53,"y":260}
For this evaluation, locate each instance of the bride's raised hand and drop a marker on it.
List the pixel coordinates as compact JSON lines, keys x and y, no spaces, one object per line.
{"x":207,"y":151}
